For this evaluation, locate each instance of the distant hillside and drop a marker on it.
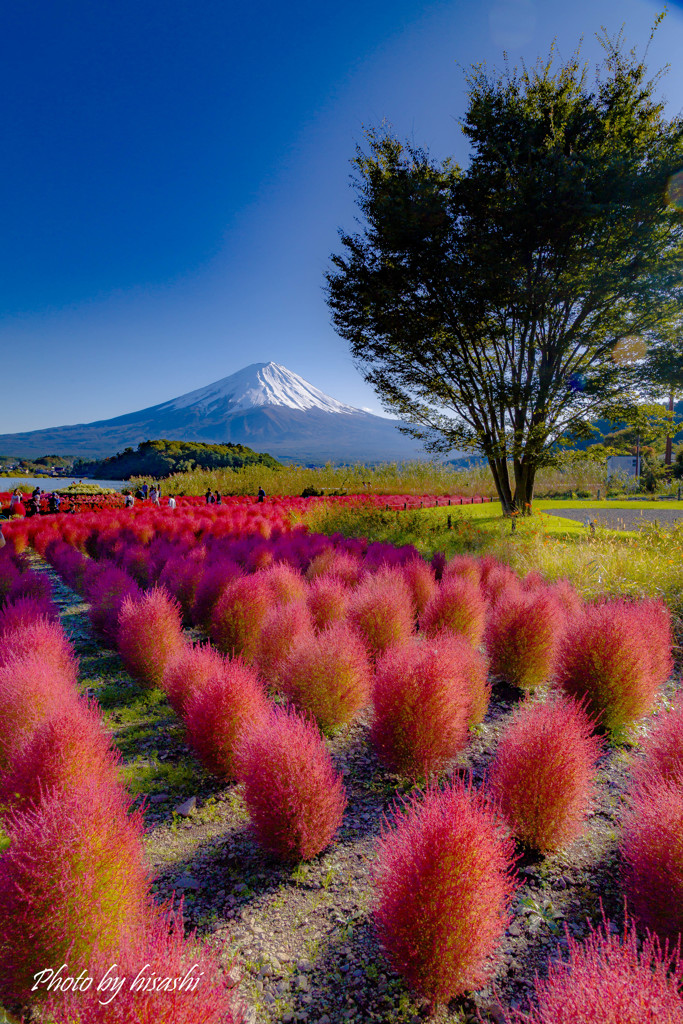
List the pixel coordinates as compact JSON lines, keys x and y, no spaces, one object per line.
{"x":159,"y":459}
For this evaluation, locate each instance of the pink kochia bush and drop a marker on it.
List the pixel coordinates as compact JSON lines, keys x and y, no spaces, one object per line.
{"x":295,"y":798}
{"x":608,"y":979}
{"x":106,"y":592}
{"x":190,"y":986}
{"x":421,"y":581}
{"x":443,"y":886}
{"x":423,"y":697}
{"x":238,"y":616}
{"x":543,"y":772}
{"x":616,"y":654}
{"x":69,"y":746}
{"x":31,"y":691}
{"x":523,"y":636}
{"x":459,"y":605}
{"x":220,"y":710}
{"x":73,"y":880}
{"x":328,"y":675}
{"x":43,"y":637}
{"x":328,"y":601}
{"x":662,"y":750}
{"x":150,"y":634}
{"x":381,"y":609}
{"x":285,"y":623}
{"x":652,"y":856}
{"x":192,"y":668}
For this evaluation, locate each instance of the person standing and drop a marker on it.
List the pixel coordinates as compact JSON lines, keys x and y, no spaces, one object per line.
{"x":171,"y":501}
{"x":261,"y":494}
{"x":208,"y":496}
{"x":144,"y":490}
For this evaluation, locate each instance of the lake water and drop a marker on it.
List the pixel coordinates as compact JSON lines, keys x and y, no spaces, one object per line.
{"x":52,"y":483}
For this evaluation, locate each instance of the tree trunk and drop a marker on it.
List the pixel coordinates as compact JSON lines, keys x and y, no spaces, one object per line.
{"x":499,"y":471}
{"x":525,"y":473}
{"x":667,"y":453}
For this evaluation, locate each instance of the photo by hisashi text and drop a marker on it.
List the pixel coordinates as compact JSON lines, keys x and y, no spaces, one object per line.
{"x":110,"y":984}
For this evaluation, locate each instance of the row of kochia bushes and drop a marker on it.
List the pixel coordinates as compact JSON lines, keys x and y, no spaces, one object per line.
{"x":79,"y":931}
{"x":337,"y":626}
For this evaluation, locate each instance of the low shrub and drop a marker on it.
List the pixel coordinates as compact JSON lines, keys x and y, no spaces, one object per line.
{"x":73,"y":880}
{"x":341,"y":565}
{"x":24,"y":611}
{"x":608,"y":979}
{"x":238,"y":616}
{"x":31,"y":691}
{"x":662,"y":750}
{"x":211,"y":585}
{"x":328,"y":675}
{"x":41,"y":637}
{"x":443,"y":877}
{"x":217,"y":712}
{"x":421,"y":581}
{"x":381,"y":609}
{"x":459,"y":605}
{"x":192,"y":668}
{"x":295,"y":798}
{"x":652,"y":857}
{"x":523,"y":636}
{"x":606,"y":659}
{"x":200,"y":992}
{"x":106,"y":592}
{"x":543,"y":772}
{"x":66,"y":748}
{"x":423,"y":701}
{"x":463,"y":567}
{"x":328,"y":601}
{"x":285,"y":623}
{"x":150,"y":634}
{"x":285,"y":582}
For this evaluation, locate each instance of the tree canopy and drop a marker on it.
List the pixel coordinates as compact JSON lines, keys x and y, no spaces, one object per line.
{"x":494,"y":307}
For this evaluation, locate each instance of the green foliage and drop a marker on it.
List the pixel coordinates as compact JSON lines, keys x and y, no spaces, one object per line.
{"x":160,"y":459}
{"x":493,"y":307}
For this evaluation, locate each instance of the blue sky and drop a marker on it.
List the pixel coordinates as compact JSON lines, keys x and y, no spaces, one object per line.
{"x":175,"y":172}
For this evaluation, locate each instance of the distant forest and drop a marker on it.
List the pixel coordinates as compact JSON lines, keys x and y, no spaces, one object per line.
{"x":160,"y":459}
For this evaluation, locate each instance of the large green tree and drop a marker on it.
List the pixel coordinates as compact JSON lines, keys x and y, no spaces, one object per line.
{"x":493,"y":307}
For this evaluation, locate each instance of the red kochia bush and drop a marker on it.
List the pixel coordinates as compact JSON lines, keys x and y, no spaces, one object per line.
{"x":652,"y":855}
{"x":459,"y":605}
{"x":189,"y":671}
{"x":238,"y":616}
{"x":72,"y":881}
{"x":31,"y":691}
{"x":25,"y":610}
{"x":198,"y":993}
{"x":522,"y":638}
{"x":43,"y":637}
{"x":444,"y":883}
{"x":662,"y":750}
{"x":213,"y":581}
{"x":543,"y":772}
{"x":328,"y":675}
{"x":328,"y":601}
{"x":285,"y":582}
{"x":421,"y":581}
{"x":285,"y":623}
{"x":423,"y":699}
{"x":608,"y":980}
{"x":107,"y":591}
{"x":218,"y":711}
{"x":608,"y":658}
{"x":381,"y":609}
{"x":70,"y":746}
{"x":150,"y":634}
{"x":295,"y":798}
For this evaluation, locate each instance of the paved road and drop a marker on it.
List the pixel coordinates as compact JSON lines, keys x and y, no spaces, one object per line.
{"x":622,"y":518}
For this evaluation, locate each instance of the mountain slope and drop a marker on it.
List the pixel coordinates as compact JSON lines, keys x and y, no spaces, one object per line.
{"x":264,"y":406}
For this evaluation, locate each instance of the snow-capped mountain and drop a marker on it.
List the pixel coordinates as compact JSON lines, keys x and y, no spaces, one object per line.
{"x":257,"y":385}
{"x":265,"y":406}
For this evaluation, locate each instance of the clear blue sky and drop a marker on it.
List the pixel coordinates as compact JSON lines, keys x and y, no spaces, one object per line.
{"x":174,"y":174}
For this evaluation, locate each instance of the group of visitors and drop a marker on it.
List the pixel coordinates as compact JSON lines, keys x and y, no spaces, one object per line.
{"x":213,"y":497}
{"x":35,"y":505}
{"x":145,"y":492}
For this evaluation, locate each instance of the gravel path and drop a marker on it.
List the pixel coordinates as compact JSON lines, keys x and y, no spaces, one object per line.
{"x":622,"y":518}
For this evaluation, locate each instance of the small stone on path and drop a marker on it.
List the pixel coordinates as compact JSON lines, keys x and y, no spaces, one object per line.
{"x":185,"y":809}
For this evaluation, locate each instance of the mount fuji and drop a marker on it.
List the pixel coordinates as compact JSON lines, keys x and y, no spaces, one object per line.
{"x":265,"y":406}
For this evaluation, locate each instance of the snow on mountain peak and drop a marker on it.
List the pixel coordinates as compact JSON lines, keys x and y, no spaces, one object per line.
{"x":259,"y":385}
